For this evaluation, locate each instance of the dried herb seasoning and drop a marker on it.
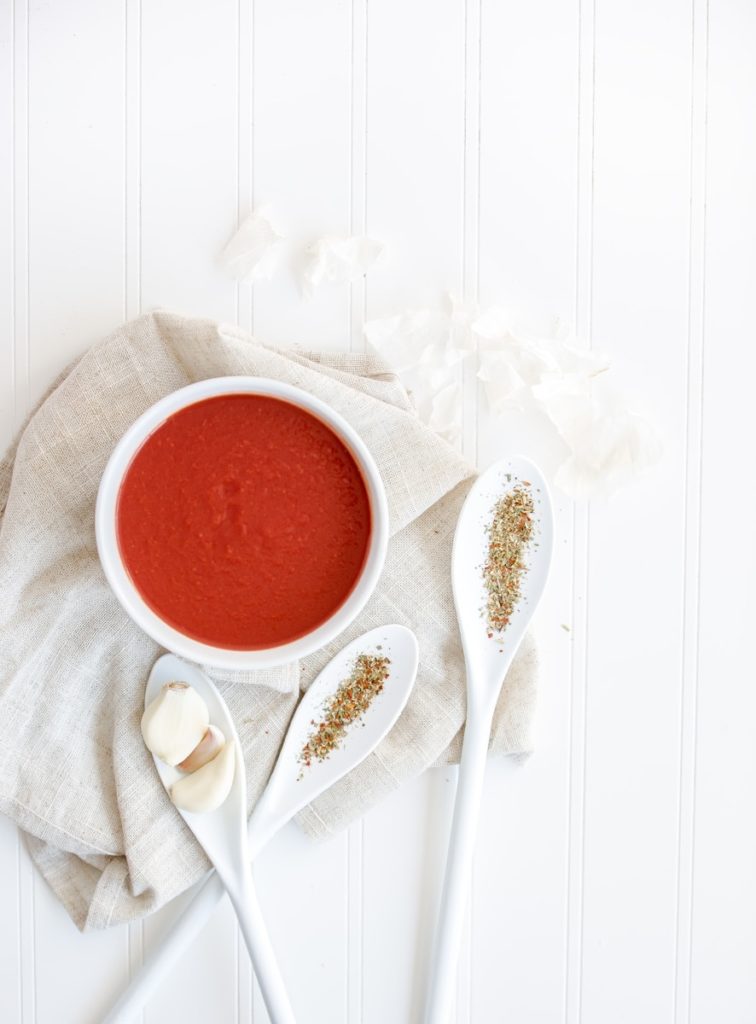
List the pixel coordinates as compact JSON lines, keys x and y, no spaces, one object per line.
{"x":509,"y":534}
{"x":348,"y":704}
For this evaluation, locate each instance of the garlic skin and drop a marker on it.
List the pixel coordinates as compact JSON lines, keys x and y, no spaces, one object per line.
{"x":175,"y":722}
{"x":207,"y":788}
{"x":208,"y":747}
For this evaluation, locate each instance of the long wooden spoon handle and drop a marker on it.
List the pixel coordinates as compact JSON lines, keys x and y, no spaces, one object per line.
{"x":205,"y":897}
{"x":244,"y":898}
{"x":459,"y":861}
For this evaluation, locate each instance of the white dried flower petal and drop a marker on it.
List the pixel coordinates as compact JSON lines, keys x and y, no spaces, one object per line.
{"x":410,"y":339}
{"x":252,"y":253}
{"x":609,"y":444}
{"x":445,"y":415}
{"x":334,"y":260}
{"x":503,"y":385}
{"x":524,"y":362}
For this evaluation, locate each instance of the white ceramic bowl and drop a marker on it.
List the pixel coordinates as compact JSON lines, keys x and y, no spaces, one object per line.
{"x":128,"y":595}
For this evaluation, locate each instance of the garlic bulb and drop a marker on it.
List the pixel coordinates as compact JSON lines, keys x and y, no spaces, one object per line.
{"x":175,"y":722}
{"x":207,"y":788}
{"x":207,"y":748}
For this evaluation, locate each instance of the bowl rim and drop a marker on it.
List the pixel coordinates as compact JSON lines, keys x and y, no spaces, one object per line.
{"x":127,"y":594}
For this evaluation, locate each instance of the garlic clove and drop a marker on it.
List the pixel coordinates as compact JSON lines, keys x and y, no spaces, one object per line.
{"x":207,"y":788}
{"x":175,"y":722}
{"x":207,"y":748}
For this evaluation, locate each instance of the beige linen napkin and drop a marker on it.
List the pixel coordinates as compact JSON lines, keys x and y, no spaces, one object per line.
{"x":74,"y":773}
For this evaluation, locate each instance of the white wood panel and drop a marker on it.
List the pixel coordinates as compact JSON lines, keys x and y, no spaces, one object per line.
{"x":302,"y":154}
{"x":592,"y":158}
{"x":17,"y":290}
{"x":188,"y":154}
{"x":74,"y":267}
{"x":8,"y":220}
{"x":10,"y":946}
{"x":203,"y":985}
{"x":12,"y":203}
{"x":185,"y":133}
{"x":301,"y":167}
{"x":63,"y":958}
{"x":692,"y":514}
{"x":528,"y":211}
{"x":415,"y":137}
{"x":75,"y":253}
{"x":723,"y":984}
{"x":633,"y":657}
{"x":404,"y":857}
{"x":414,"y":181}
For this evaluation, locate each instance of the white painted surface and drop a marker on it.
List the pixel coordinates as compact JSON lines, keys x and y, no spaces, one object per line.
{"x":596,"y":158}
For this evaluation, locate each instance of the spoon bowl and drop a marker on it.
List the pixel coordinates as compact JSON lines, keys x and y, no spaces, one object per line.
{"x":292,"y":786}
{"x":223,"y":829}
{"x":222,"y":834}
{"x":488,"y":657}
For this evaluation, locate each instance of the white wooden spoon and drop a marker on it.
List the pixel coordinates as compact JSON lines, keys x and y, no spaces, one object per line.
{"x":487,"y":660}
{"x":286,"y":792}
{"x":222,"y":834}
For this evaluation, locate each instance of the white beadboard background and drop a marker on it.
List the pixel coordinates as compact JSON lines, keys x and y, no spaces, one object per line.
{"x":596,"y":157}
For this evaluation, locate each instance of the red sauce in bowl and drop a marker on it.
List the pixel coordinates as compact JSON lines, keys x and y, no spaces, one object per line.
{"x":243,"y":521}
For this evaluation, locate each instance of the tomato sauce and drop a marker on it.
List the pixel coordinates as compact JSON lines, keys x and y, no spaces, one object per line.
{"x":243,"y":521}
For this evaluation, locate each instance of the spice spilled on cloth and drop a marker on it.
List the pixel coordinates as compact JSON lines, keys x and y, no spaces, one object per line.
{"x":509,"y":534}
{"x":348,"y":705}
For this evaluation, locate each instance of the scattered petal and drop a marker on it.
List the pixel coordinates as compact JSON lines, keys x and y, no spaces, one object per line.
{"x":252,"y":253}
{"x":414,"y":338}
{"x":446,"y":411}
{"x":503,"y":385}
{"x":609,"y":444}
{"x":524,"y":363}
{"x":333,"y":260}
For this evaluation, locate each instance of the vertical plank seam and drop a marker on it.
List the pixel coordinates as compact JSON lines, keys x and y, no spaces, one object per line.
{"x":28,"y":222}
{"x":21,"y":383}
{"x":27,"y":937}
{"x":237,"y":968}
{"x":464,"y":966}
{"x":469,"y":283}
{"x":578,"y":722}
{"x":350,"y":304}
{"x":355,"y":938}
{"x":686,"y":527}
{"x":247,"y":995}
{"x":132,"y":272}
{"x":126,"y":185}
{"x":573,"y":569}
{"x":237,"y":289}
{"x":251,"y":139}
{"x":479,"y":147}
{"x":693,"y":491}
{"x":244,"y":297}
{"x":587,"y":522}
{"x":357,"y":304}
{"x":35,"y":957}
{"x":13,"y":222}
{"x":21,"y":346}
{"x":140,"y":241}
{"x":133,"y":159}
{"x":140,"y":238}
{"x":471,"y":180}
{"x":366,"y":52}
{"x":357,"y":315}
{"x":19,"y":979}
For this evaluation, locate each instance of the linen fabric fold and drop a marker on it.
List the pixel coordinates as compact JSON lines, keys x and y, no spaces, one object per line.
{"x":74,"y":773}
